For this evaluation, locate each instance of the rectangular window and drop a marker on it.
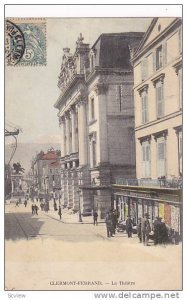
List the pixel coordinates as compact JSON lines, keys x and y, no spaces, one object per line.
{"x":92,"y":109}
{"x":146,"y":160}
{"x":144,"y":69}
{"x":180,"y":152}
{"x":94,"y":153}
{"x":159,"y":100}
{"x":161,"y":156}
{"x":180,"y":88}
{"x":159,"y":57}
{"x":144,"y":99}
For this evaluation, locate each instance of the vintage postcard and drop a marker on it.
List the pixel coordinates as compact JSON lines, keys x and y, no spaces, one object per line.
{"x":93,"y":153}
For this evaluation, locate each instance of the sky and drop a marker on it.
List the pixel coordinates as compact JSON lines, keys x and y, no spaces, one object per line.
{"x":30,"y":92}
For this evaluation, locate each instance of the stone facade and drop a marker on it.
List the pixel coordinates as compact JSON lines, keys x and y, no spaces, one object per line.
{"x":96,"y":116}
{"x":158,"y":100}
{"x":157,"y":188}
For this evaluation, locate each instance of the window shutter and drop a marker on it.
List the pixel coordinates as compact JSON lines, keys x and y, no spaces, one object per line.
{"x":154,"y":61}
{"x":146,"y":109}
{"x":164,"y":47}
{"x":144,"y":68}
{"x":142,"y":109}
{"x":159,"y":99}
{"x":161,"y":158}
{"x":145,"y":160}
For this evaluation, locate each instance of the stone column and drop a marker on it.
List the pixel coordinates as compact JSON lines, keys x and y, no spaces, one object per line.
{"x":67,"y":134}
{"x":101,"y":92}
{"x":73,"y":128}
{"x":12,"y":186}
{"x":82,"y":133}
{"x":63,"y":143}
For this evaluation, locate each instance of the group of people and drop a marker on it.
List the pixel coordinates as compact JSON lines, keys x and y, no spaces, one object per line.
{"x":35,"y":209}
{"x":111,"y":221}
{"x":157,"y":231}
{"x":44,"y":206}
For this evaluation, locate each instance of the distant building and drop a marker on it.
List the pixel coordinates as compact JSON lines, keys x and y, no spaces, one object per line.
{"x":96,"y":115}
{"x":158,"y":127}
{"x":46,"y":171}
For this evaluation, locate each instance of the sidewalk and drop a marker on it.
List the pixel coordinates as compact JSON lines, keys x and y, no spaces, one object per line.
{"x":68,"y":216}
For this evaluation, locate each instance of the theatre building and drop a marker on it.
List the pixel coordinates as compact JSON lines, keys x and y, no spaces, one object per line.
{"x":157,"y":188}
{"x":96,"y":116}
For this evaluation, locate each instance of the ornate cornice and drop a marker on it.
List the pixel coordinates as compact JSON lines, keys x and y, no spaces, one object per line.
{"x":100,"y":88}
{"x":61,"y":120}
{"x":159,"y":77}
{"x":178,"y":65}
{"x":162,"y":133}
{"x":143,"y":88}
{"x":146,"y":138}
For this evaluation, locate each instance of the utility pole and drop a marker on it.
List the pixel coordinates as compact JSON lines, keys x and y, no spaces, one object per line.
{"x":11,"y":133}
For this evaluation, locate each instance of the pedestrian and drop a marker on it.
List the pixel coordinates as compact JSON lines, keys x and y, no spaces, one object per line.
{"x":108,"y":221}
{"x":17,"y":203}
{"x":42,"y":206}
{"x":60,"y":212}
{"x":145,"y":229}
{"x":33,"y":209}
{"x":114,"y":220}
{"x":36,"y":209}
{"x":25,"y":202}
{"x":95,"y":216}
{"x":129,"y":225}
{"x":139,"y":229}
{"x":156,"y":230}
{"x":163,"y":233}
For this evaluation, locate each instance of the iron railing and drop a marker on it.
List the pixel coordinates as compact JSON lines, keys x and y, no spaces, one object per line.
{"x":174,"y":182}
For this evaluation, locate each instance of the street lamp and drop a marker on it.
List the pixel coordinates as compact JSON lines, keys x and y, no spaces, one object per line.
{"x":80,"y":217}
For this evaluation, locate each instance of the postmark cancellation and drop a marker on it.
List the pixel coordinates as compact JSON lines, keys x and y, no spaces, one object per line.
{"x":25,"y":42}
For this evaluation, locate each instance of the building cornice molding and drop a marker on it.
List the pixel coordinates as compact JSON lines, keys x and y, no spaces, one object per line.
{"x":177,"y":129}
{"x":154,"y":122}
{"x":106,"y":71}
{"x":146,"y":138}
{"x":76,"y":78}
{"x":162,"y":133}
{"x":160,"y":77}
{"x":178,"y":65}
{"x":140,"y":52}
{"x":143,"y":88}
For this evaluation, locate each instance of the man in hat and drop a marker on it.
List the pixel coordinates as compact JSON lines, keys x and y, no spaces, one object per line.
{"x":145,"y":229}
{"x":129,"y":225}
{"x":156,"y":229}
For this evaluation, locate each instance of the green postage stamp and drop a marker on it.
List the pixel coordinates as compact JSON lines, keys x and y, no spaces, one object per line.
{"x":25,"y":42}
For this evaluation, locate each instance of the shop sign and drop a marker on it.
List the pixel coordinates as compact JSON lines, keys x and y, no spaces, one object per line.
{"x":175,"y":218}
{"x":167,"y":214}
{"x":161,"y":210}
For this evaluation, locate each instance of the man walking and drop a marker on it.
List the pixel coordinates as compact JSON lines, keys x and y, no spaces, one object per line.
{"x":60,"y":212}
{"x":33,"y":209}
{"x":146,"y":229}
{"x":129,"y":224}
{"x":95,"y":216}
{"x":108,"y":221}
